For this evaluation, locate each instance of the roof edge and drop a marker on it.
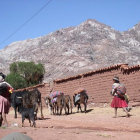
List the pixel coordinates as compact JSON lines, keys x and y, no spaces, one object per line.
{"x":105,"y":69}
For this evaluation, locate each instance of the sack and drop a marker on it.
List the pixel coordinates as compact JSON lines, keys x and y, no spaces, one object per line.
{"x":121,"y":89}
{"x":77,"y":98}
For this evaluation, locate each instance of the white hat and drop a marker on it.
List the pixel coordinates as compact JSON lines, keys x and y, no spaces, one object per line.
{"x":116,"y":78}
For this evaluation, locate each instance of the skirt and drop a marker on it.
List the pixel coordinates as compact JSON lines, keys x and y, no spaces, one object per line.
{"x":4,"y":105}
{"x":118,"y":102}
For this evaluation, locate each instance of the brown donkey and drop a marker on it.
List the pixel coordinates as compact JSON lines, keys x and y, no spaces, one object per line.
{"x":79,"y":98}
{"x":55,"y":107}
{"x":67,"y":104}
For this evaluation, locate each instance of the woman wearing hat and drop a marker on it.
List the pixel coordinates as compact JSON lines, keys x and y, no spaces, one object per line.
{"x":118,"y":100}
{"x":5,"y":89}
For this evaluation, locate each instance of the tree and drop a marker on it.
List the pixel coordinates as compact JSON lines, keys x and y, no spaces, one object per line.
{"x":29,"y":71}
{"x":16,"y":81}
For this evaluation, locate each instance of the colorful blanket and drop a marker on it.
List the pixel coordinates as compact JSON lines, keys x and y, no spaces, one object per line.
{"x":121,"y":89}
{"x":55,"y":94}
{"x":54,"y":100}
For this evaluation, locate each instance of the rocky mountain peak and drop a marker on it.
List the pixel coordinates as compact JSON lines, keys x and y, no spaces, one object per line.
{"x":75,"y":50}
{"x":136,"y":27}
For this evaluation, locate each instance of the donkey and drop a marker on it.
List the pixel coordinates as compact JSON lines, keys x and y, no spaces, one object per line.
{"x":56,"y":107}
{"x":81,"y":98}
{"x":67,"y":104}
{"x":50,"y":105}
{"x":59,"y":104}
{"x":51,"y":101}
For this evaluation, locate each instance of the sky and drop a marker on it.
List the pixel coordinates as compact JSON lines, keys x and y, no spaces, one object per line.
{"x":29,"y":19}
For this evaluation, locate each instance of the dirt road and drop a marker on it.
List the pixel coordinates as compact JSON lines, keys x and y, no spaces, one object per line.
{"x":97,"y":124}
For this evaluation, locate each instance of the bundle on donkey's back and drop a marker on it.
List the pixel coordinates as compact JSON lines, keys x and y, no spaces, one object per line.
{"x":80,"y":97}
{"x":56,"y":101}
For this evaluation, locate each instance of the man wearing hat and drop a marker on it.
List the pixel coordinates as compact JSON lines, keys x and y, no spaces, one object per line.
{"x":5,"y":89}
{"x":118,"y":99}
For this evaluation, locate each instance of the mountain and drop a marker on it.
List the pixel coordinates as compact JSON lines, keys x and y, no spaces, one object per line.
{"x":75,"y":50}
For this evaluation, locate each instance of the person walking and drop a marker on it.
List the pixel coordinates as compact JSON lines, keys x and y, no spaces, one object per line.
{"x":118,"y":99}
{"x":5,"y":93}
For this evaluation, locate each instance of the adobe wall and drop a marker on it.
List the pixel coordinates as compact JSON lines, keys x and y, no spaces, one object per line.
{"x":98,"y":86}
{"x":99,"y":83}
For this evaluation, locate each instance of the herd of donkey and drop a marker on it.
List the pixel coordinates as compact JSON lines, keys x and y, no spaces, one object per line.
{"x":27,"y":103}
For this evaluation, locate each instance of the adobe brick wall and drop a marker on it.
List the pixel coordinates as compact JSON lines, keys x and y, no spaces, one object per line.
{"x":99,"y":83}
{"x":98,"y":86}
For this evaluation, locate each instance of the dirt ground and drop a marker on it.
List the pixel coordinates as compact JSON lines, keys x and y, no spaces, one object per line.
{"x":97,"y":124}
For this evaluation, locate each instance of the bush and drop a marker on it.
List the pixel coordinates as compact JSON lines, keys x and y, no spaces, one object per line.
{"x":25,"y":74}
{"x":16,"y":81}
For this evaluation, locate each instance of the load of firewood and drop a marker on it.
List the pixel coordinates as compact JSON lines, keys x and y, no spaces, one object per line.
{"x":79,"y":90}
